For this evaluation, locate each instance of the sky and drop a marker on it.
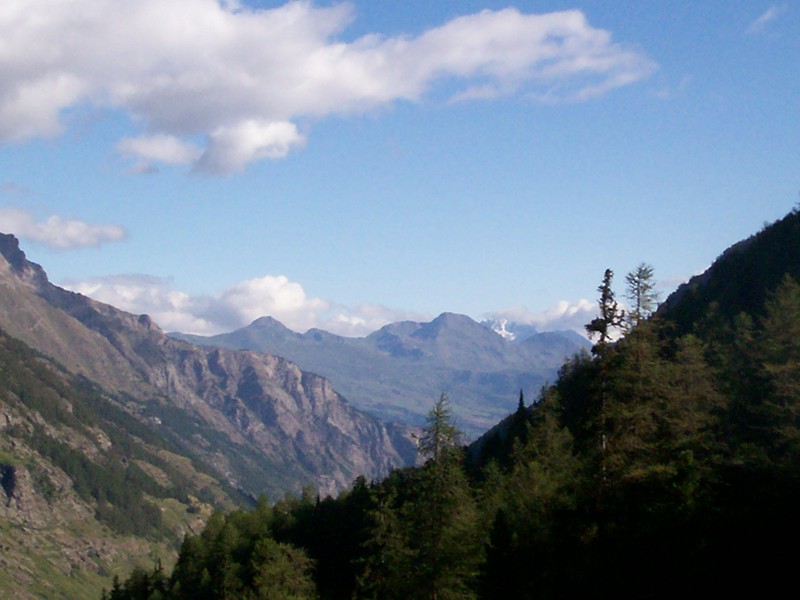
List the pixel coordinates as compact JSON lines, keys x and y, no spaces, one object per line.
{"x":347,"y":165}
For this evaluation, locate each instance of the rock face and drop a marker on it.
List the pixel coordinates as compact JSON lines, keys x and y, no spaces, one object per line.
{"x":267,"y":426}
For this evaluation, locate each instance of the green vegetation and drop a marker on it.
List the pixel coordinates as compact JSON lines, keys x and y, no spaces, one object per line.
{"x":88,"y":488}
{"x":66,"y":416}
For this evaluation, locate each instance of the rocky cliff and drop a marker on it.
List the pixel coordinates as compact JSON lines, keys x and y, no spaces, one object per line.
{"x":267,"y":426}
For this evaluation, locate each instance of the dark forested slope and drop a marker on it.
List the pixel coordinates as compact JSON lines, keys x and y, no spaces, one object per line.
{"x":662,"y":465}
{"x":741,"y":278}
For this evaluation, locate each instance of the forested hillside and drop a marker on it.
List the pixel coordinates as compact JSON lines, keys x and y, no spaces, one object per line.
{"x":660,"y":465}
{"x":741,"y":278}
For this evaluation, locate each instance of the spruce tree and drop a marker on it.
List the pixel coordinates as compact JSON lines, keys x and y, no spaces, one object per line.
{"x":440,"y":436}
{"x":387,"y":563}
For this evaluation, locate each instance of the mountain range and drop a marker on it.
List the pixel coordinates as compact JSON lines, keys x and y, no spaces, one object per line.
{"x":117,"y":440}
{"x":397,"y":372}
{"x":265,"y":425}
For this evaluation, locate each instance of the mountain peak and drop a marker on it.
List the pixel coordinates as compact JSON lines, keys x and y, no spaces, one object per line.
{"x":267,"y":323}
{"x":445,"y":322}
{"x":449,"y":318}
{"x":268,"y":327}
{"x":18,"y":262}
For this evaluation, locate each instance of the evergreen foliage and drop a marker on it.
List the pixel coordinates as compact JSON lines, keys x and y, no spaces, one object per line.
{"x":642,"y":294}
{"x":611,"y":316}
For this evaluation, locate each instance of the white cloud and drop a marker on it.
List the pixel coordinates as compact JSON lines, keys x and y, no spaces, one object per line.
{"x":230,"y":149}
{"x":564,"y":315}
{"x":241,"y":78}
{"x":234,"y":307}
{"x":366,"y":318}
{"x":286,"y":301}
{"x":275,"y":296}
{"x":760,"y":24}
{"x":159,"y":148}
{"x":145,"y":294}
{"x":56,"y":232}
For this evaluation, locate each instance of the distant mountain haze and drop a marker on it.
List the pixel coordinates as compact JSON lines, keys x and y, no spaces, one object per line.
{"x":397,"y":372}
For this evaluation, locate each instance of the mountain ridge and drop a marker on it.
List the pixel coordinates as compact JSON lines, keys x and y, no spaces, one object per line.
{"x":397,"y":371}
{"x":741,"y":278}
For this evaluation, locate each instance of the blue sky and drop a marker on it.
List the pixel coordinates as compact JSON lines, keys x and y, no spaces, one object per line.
{"x":347,"y":165}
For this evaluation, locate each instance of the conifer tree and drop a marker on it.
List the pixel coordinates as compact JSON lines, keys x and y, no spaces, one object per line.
{"x":642,"y":294}
{"x":425,"y":535}
{"x":611,"y":316}
{"x":388,"y":562}
{"x":778,"y":346}
{"x":281,"y":572}
{"x":640,"y":323}
{"x":542,"y":482}
{"x":443,"y":516}
{"x":440,"y":436}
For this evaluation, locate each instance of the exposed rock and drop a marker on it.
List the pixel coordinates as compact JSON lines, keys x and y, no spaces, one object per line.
{"x":275,"y":427}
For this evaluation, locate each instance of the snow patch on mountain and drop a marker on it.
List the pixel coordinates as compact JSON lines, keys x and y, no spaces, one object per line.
{"x":510,"y":330}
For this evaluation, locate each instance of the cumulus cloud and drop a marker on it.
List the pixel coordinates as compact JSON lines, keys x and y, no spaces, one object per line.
{"x":285,"y":300}
{"x":234,"y":307}
{"x":564,"y":315}
{"x":230,"y":149}
{"x":760,"y":24}
{"x":146,"y":294}
{"x":270,"y":295}
{"x":57,"y":232}
{"x":241,"y":78}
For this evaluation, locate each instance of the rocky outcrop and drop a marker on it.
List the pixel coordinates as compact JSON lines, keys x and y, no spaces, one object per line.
{"x":53,"y":537}
{"x":265,"y":424}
